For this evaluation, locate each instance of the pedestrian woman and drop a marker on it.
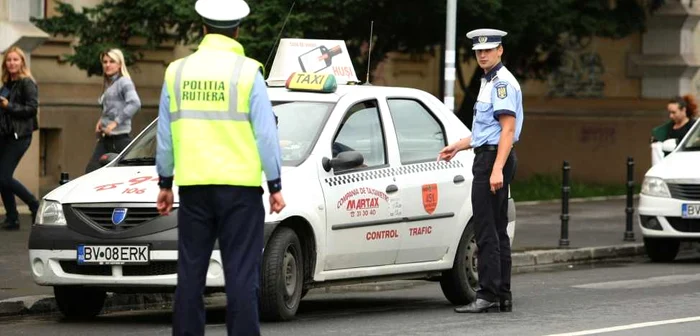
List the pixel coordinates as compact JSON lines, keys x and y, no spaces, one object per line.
{"x":119,"y":102}
{"x":682,"y":114}
{"x":18,"y":120}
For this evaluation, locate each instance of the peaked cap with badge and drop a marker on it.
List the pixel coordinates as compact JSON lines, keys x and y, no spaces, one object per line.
{"x":486,"y":38}
{"x":222,"y":13}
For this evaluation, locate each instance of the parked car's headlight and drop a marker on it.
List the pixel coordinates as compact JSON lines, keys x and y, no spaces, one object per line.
{"x":50,"y":213}
{"x":654,"y":186}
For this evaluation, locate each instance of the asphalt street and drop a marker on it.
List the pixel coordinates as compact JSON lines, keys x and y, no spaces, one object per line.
{"x":637,"y":298}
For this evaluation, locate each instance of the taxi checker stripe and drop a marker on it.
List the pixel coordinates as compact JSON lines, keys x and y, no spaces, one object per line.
{"x":231,"y":114}
{"x":389,"y":172}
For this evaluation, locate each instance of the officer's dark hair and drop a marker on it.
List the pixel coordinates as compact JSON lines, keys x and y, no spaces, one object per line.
{"x":686,"y":102}
{"x":229,"y":32}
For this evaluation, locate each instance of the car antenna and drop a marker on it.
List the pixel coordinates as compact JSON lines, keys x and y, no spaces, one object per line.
{"x":369,"y":52}
{"x":280,"y":34}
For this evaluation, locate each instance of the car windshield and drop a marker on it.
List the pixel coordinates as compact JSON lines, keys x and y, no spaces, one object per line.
{"x":692,"y":141}
{"x":300,"y":124}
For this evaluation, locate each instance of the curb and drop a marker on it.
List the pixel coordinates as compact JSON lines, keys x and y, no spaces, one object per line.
{"x":577,"y":200}
{"x":523,"y":262}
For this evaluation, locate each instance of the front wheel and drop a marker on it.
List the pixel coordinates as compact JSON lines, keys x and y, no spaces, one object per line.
{"x":459,"y":284}
{"x":661,"y":250}
{"x":79,"y":302}
{"x":282,"y":276}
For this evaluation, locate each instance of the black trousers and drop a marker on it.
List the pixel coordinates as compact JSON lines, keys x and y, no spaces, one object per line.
{"x":11,"y":152}
{"x":235,"y":216}
{"x":107,"y":144}
{"x":490,"y":226}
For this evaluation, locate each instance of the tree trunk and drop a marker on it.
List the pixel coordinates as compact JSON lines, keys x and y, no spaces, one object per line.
{"x":465,"y":113}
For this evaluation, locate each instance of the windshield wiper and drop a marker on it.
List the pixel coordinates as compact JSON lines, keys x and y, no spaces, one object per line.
{"x":138,"y":161}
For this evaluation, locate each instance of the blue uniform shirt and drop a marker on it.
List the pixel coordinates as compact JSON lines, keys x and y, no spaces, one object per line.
{"x":499,"y":94}
{"x":264,"y":126}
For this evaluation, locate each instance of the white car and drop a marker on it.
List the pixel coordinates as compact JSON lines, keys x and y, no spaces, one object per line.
{"x":366,"y":201}
{"x":669,"y":204}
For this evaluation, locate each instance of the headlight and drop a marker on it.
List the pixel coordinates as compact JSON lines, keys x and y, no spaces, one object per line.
{"x":50,"y":213}
{"x":654,"y":186}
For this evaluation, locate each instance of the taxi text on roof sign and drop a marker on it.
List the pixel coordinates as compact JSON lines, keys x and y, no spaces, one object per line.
{"x":312,"y":56}
{"x":304,"y":81}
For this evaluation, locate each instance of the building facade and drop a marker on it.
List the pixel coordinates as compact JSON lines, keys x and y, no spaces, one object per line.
{"x":595,"y":111}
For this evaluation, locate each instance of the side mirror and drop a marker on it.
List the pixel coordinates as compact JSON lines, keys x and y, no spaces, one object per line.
{"x":669,"y":145}
{"x":107,"y":158}
{"x":344,"y":160}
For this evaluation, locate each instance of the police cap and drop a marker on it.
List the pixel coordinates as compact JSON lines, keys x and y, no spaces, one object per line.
{"x":486,"y":38}
{"x":222,"y":13}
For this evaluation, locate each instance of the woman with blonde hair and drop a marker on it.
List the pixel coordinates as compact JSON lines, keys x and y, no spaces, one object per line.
{"x":120,"y":102}
{"x":19,"y":103}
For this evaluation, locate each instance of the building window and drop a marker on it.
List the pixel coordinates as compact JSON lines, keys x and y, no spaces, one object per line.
{"x":37,"y":8}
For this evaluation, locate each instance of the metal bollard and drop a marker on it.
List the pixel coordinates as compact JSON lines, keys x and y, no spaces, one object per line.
{"x":64,"y":178}
{"x":629,"y":210}
{"x":565,"y":190}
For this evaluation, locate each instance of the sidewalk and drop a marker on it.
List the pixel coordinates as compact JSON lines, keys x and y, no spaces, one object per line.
{"x":596,"y":230}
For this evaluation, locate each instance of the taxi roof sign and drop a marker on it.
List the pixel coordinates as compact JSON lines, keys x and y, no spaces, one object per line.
{"x":311,"y":82}
{"x":312,"y":56}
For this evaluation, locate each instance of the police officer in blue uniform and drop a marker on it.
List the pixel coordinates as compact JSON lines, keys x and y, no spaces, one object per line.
{"x":498,"y":120}
{"x":216,"y":151}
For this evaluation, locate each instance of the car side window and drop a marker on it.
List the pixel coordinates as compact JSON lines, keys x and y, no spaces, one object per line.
{"x":420,"y":135}
{"x":361,"y":130}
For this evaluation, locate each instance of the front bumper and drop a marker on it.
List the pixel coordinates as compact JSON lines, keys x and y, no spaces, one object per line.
{"x":661,"y":217}
{"x":59,"y":267}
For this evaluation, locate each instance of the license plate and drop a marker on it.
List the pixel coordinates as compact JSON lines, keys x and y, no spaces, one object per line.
{"x":112,"y":255}
{"x":690,"y":210}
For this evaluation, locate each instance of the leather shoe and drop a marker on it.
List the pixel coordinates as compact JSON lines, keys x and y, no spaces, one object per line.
{"x":506,"y":306}
{"x":479,"y":306}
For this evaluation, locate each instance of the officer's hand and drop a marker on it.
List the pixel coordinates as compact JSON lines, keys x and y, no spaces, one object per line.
{"x":276,"y":202}
{"x":164,"y":204}
{"x":496,"y":180}
{"x":448,"y":152}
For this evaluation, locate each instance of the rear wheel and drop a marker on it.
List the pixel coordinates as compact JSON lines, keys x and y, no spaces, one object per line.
{"x":459,"y":284}
{"x":79,"y":302}
{"x":282,"y":276}
{"x":661,"y":250}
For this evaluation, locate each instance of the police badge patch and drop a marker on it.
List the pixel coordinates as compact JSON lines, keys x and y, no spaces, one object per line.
{"x":501,"y":91}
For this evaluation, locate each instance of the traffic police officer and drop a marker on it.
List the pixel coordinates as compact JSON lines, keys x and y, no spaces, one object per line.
{"x":498,"y":120}
{"x":217,"y":131}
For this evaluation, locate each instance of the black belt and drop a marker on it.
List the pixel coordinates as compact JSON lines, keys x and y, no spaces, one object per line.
{"x":485,"y":148}
{"x":115,"y":136}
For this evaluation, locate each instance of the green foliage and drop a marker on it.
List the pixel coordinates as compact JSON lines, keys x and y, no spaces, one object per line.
{"x":548,"y":187}
{"x":533,"y":47}
{"x":114,"y":23}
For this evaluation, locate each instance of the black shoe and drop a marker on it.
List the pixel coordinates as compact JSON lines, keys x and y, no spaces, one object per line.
{"x":10,"y":225}
{"x":506,"y":306}
{"x":479,"y":306}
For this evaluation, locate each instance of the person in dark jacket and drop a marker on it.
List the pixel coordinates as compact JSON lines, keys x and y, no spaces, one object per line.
{"x":18,"y":120}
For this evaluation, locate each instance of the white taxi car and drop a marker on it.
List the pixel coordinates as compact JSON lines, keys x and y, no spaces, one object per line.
{"x":669,"y":204}
{"x":366,"y":201}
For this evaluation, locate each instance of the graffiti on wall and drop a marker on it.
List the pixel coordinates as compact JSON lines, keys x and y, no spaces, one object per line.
{"x":580,"y":73}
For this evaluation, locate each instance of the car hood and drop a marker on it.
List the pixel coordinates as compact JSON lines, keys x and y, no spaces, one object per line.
{"x":678,"y":166}
{"x":120,"y":185}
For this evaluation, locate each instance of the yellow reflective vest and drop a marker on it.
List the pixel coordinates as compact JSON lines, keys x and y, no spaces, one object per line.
{"x":213,"y":139}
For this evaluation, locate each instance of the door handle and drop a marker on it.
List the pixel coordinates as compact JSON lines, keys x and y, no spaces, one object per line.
{"x":458,"y":179}
{"x":392,"y":188}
